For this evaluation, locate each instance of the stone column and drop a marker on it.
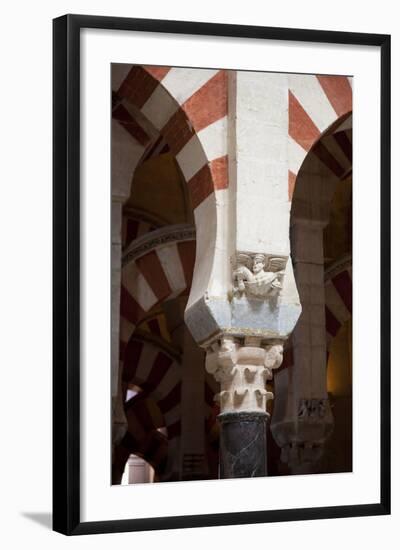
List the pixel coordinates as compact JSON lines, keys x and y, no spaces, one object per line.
{"x":243,"y":302}
{"x":119,"y":423}
{"x":302,"y":427}
{"x":192,"y":462}
{"x":191,"y":454}
{"x":242,"y":369}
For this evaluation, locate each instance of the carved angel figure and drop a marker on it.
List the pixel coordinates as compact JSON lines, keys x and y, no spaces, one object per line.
{"x":257,"y":280}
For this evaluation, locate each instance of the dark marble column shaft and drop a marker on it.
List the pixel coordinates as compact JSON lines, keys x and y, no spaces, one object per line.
{"x":243,"y":444}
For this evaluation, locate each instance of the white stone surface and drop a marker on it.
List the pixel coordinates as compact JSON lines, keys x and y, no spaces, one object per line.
{"x":182,"y":83}
{"x":146,"y":361}
{"x":138,"y":287}
{"x":172,"y":267}
{"x":261,"y":120}
{"x":220,"y":280}
{"x":191,"y":158}
{"x":205,"y":146}
{"x":313,"y":99}
{"x":119,"y":71}
{"x":125,"y":155}
{"x":160,"y":107}
{"x":214,"y":138}
{"x":251,"y":216}
{"x":296,"y":155}
{"x":206,"y":231}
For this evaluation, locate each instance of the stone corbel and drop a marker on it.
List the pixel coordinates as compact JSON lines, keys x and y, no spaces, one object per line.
{"x":301,"y":457}
{"x":302,"y":439}
{"x":258,"y":275}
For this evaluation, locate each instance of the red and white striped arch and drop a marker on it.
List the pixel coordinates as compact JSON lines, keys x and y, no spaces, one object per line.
{"x":188,"y":107}
{"x":153,"y":448}
{"x":159,"y":376}
{"x":155,"y":268}
{"x":145,"y":439}
{"x":338,"y":298}
{"x":319,"y":105}
{"x":133,"y":227}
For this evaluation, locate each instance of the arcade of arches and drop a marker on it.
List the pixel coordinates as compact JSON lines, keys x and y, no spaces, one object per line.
{"x":231,"y":274}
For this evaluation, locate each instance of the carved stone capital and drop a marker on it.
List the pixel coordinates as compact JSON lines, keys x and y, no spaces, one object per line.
{"x":242,"y":369}
{"x":258,"y":275}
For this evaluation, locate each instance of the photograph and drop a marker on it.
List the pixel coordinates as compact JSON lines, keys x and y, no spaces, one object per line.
{"x":221,"y":295}
{"x":231,"y":273}
{"x":198,"y":236}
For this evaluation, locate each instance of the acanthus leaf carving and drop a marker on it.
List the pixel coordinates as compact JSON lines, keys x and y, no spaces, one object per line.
{"x":242,"y":370}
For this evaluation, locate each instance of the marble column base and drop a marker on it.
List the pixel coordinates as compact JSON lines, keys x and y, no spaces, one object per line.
{"x":243,"y":444}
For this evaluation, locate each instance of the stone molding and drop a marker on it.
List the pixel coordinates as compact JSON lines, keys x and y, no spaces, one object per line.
{"x":155,"y":239}
{"x":344,"y":264}
{"x":242,"y":370}
{"x":258,"y":275}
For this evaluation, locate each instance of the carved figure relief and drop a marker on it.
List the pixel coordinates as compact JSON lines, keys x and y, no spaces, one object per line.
{"x":258,"y":275}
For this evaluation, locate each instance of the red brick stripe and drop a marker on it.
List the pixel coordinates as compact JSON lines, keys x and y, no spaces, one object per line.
{"x":209,"y":103}
{"x":219,"y":172}
{"x":133,"y":352}
{"x":174,"y":429}
{"x":177,"y":131}
{"x":301,"y":128}
{"x":139,"y":407}
{"x":171,"y":399}
{"x":187,"y":254}
{"x":344,"y":143}
{"x":123,"y":116}
{"x":332,"y":324}
{"x":338,"y":91}
{"x":154,"y":327}
{"x":328,"y":159}
{"x":292,"y":182}
{"x":138,"y":86}
{"x":122,"y":349}
{"x":200,"y":186}
{"x":130,"y":443}
{"x":152,"y":270}
{"x":343,"y":285}
{"x":155,"y":449}
{"x":160,"y":367}
{"x":130,"y":309}
{"x":132,"y":227}
{"x":157,"y":72}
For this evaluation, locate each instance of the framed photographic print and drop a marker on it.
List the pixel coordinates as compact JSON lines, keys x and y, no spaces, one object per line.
{"x":221,"y":274}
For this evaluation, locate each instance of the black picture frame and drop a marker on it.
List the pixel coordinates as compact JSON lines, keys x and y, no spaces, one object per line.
{"x":66,"y":273}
